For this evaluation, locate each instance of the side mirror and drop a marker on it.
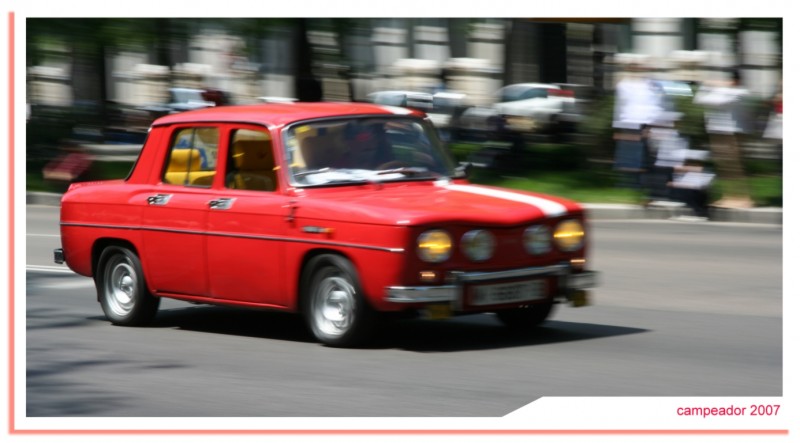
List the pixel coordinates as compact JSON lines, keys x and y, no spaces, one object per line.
{"x":463,"y":170}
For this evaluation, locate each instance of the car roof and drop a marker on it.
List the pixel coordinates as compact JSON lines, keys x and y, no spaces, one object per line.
{"x":397,"y":92}
{"x":531,"y":85}
{"x":187,"y":89}
{"x":278,"y":114}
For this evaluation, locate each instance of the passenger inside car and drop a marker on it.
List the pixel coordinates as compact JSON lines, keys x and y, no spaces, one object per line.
{"x":368,"y":147}
{"x":253,"y":165}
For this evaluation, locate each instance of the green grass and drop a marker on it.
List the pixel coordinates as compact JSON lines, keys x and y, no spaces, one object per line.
{"x":764,"y":190}
{"x":574,"y":185}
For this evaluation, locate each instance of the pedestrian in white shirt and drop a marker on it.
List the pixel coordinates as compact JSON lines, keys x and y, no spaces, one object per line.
{"x":638,"y":102}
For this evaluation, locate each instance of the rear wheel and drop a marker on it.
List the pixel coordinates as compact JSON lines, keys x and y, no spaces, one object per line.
{"x":526,"y":317}
{"x":121,"y":288}
{"x":334,"y":305}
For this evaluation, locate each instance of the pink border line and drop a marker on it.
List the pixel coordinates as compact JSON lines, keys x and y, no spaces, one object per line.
{"x":409,"y":432}
{"x":11,"y":382}
{"x":11,"y":325}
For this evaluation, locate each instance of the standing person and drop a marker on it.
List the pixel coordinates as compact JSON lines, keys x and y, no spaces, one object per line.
{"x":725,"y":123}
{"x":687,"y":181}
{"x":774,"y":128}
{"x":637,"y":104}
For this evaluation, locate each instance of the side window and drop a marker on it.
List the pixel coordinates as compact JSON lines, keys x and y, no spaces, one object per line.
{"x":193,"y":157}
{"x":251,"y":164}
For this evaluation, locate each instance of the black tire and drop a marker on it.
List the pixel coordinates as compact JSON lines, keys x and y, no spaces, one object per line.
{"x":527,"y":317}
{"x":334,"y":306}
{"x":121,"y":288}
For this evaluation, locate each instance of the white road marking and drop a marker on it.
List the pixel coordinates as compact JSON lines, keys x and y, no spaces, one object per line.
{"x":53,"y":269}
{"x":75,"y":284}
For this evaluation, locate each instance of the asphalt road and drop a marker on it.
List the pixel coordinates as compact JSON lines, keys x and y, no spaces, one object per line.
{"x":684,"y":309}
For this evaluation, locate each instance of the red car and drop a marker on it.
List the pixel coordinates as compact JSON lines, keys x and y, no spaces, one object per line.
{"x":339,"y":211}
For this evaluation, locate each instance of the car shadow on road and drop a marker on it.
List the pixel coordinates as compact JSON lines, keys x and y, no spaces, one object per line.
{"x":467,"y":333}
{"x":484,"y":331}
{"x":235,"y":321}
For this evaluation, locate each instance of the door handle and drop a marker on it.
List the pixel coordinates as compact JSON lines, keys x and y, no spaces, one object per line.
{"x":221,"y":203}
{"x":159,"y":199}
{"x":292,"y":207}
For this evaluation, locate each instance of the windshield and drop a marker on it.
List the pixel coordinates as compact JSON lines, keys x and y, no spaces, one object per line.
{"x":365,"y":149}
{"x":521,"y":92}
{"x":186,"y":95}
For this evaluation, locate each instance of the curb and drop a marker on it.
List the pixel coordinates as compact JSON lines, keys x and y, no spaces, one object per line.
{"x":43,"y":198}
{"x":596,"y":211}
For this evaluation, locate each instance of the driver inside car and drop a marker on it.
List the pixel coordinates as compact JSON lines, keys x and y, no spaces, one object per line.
{"x":368,"y":148}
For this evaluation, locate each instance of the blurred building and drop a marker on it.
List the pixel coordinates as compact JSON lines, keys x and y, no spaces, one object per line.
{"x":350,"y":58}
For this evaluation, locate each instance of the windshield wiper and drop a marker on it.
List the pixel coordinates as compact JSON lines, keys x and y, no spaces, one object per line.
{"x":463,"y":170}
{"x":312,"y":172}
{"x":410,"y":172}
{"x":337,"y":176}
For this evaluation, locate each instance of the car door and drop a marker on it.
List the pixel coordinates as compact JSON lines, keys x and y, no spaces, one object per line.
{"x":175,"y":213}
{"x":247,"y":224}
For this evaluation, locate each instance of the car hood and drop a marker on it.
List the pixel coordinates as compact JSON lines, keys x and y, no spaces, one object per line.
{"x":426,"y":203}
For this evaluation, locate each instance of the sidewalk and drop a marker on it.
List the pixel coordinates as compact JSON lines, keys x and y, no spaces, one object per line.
{"x":599,"y":211}
{"x":596,"y":211}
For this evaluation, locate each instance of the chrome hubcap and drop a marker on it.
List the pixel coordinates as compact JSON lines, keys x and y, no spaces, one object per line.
{"x":334,"y":306}
{"x":120,"y":287}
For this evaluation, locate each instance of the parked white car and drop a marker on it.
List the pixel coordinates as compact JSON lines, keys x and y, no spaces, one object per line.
{"x":180,"y":100}
{"x":532,"y":107}
{"x":521,"y":108}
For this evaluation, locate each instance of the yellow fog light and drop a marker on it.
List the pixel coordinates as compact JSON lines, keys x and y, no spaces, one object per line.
{"x":568,"y":235}
{"x":434,"y":246}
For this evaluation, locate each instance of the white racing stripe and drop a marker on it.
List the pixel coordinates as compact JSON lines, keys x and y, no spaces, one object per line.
{"x":549,"y":207}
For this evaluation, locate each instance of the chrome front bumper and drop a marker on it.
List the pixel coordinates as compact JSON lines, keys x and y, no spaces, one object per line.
{"x":452,"y":293}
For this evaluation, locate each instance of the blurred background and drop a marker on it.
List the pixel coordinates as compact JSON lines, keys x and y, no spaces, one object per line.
{"x":530,"y":102}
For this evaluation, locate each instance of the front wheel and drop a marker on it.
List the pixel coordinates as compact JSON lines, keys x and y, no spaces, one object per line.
{"x":121,"y":288}
{"x":334,"y":304}
{"x":526,"y":317}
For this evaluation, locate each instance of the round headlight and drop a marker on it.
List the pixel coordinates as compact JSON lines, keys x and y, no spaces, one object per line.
{"x":537,"y":240}
{"x":569,"y":235}
{"x":434,"y":246}
{"x":478,"y":245}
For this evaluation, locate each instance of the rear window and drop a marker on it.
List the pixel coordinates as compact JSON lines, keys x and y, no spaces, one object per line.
{"x":192,"y":157}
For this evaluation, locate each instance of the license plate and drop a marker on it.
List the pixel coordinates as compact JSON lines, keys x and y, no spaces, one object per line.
{"x":502,"y":293}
